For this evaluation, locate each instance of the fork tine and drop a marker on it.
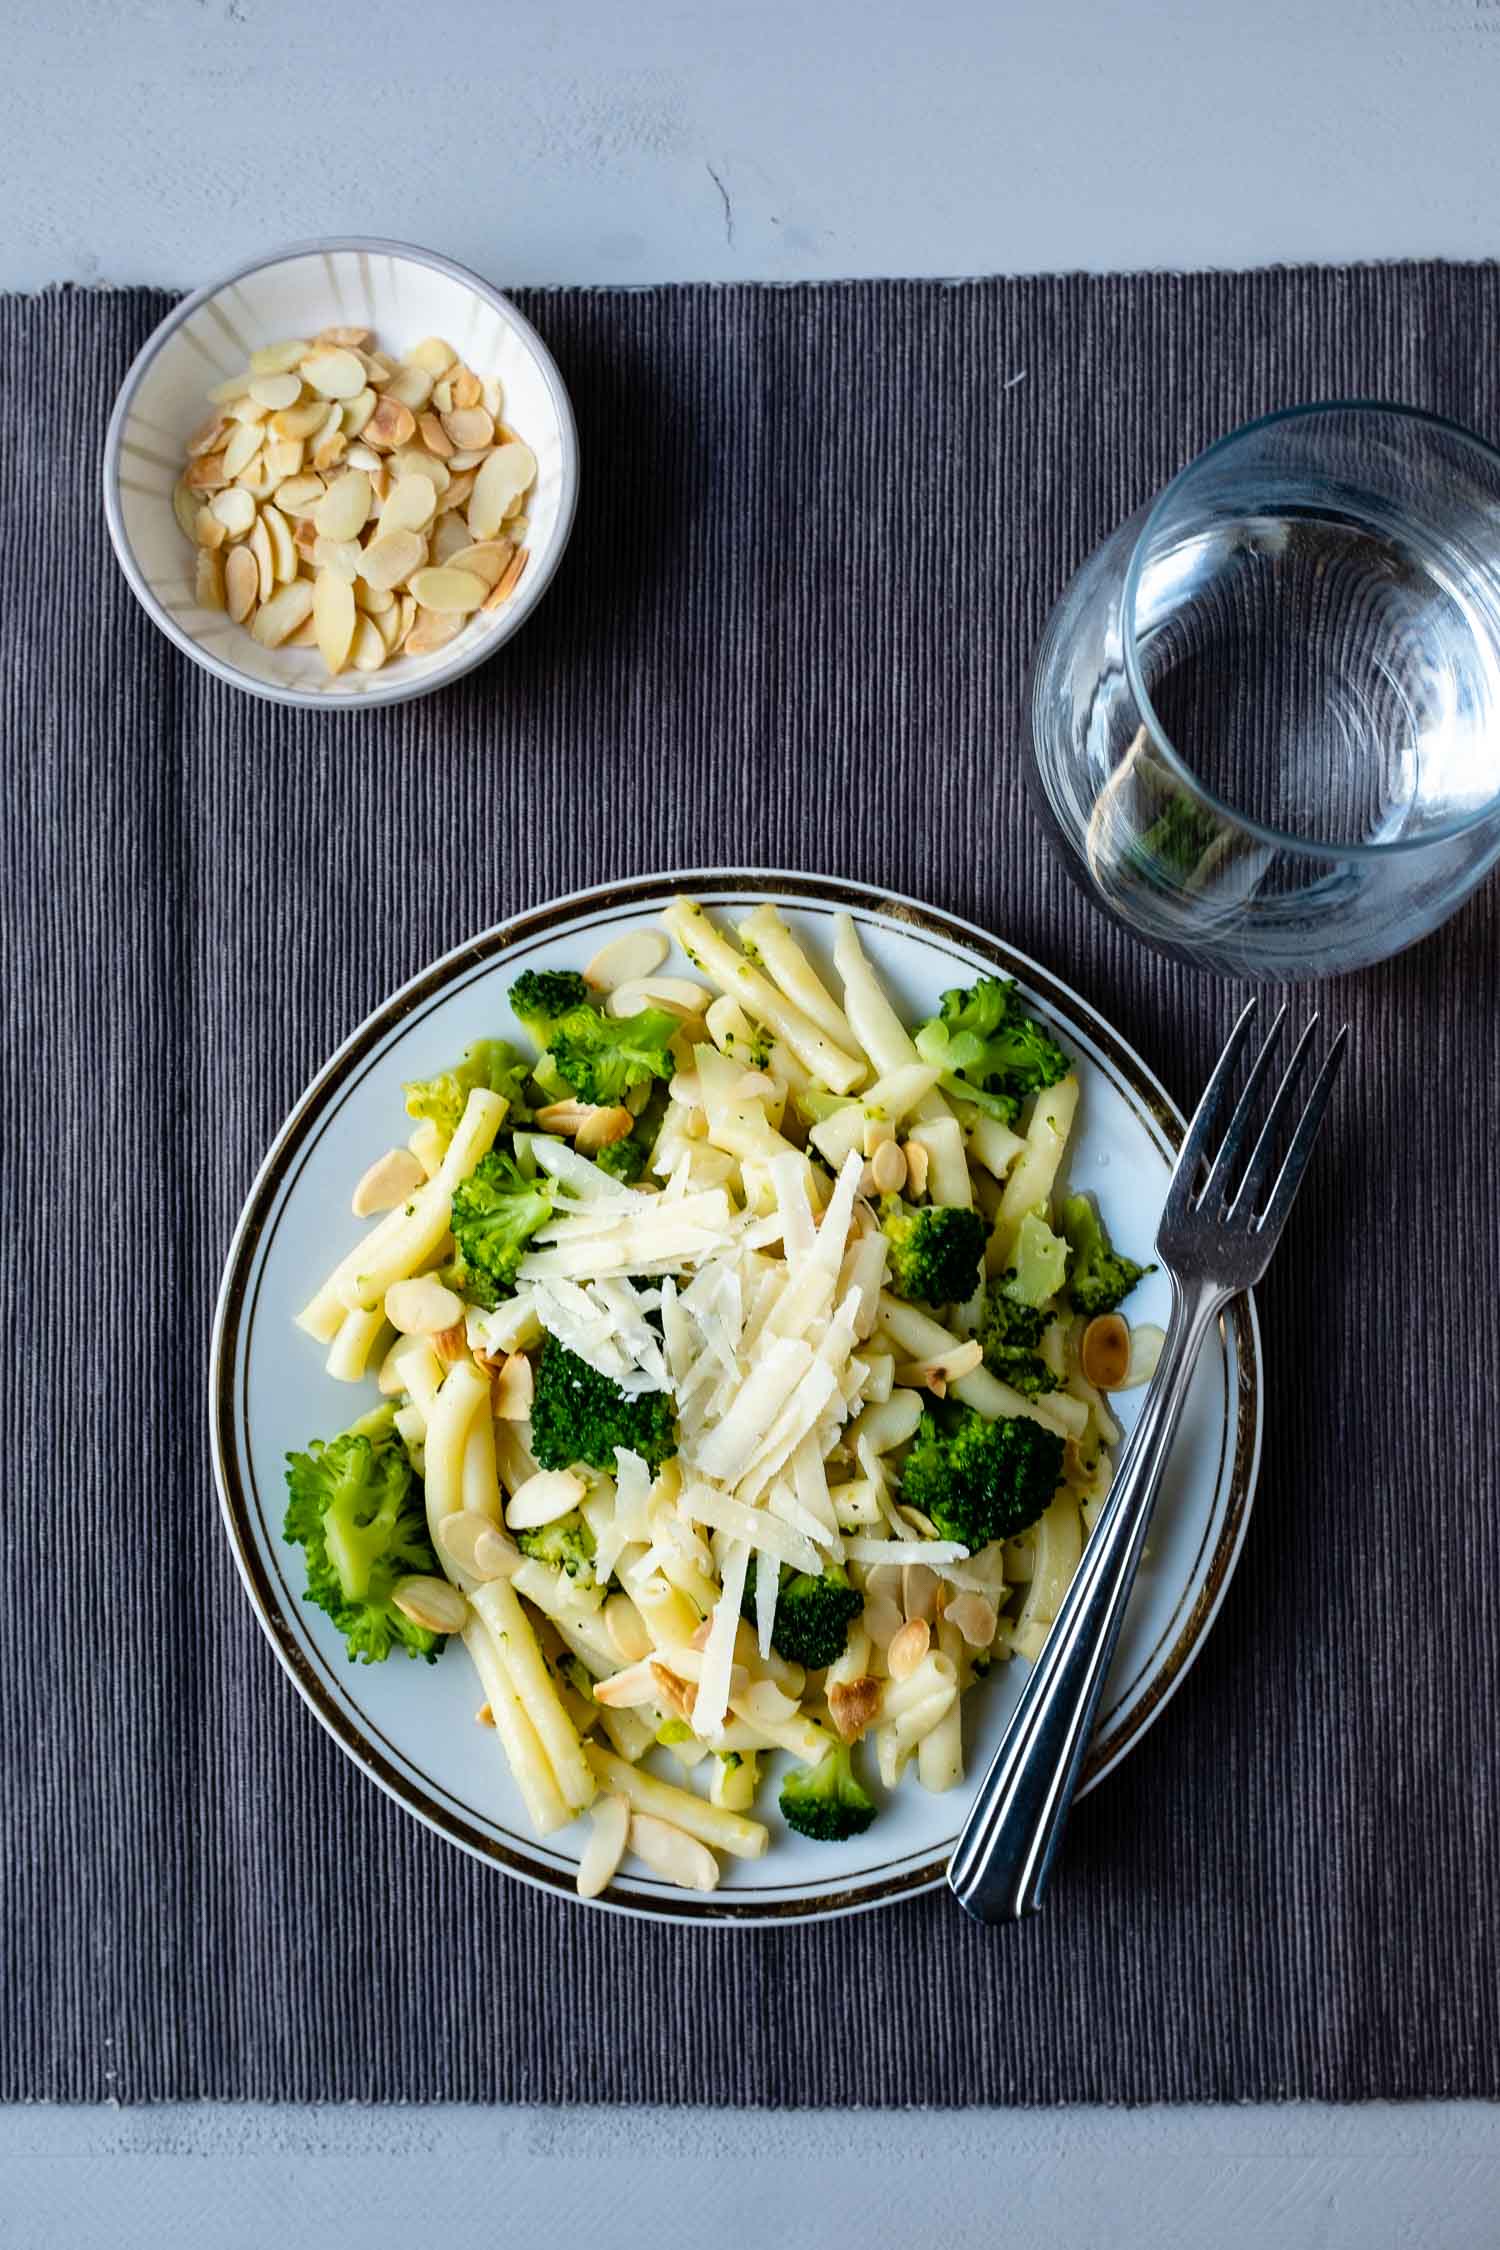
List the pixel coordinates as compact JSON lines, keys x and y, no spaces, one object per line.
{"x":1248,"y":1195}
{"x":1239,"y":1124}
{"x":1195,"y":1146}
{"x":1289,"y":1178}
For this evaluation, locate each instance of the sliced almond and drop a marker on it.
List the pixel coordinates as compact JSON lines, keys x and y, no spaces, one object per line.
{"x":205,"y":474}
{"x":298,"y":495}
{"x":633,"y":954}
{"x":410,"y":386}
{"x":431,"y":1603}
{"x":185,"y":506}
{"x":907,"y":1649}
{"x":360,"y":456}
{"x":855,"y":1705}
{"x":975,"y":1617}
{"x":678,"y":995}
{"x":1146,"y":1341}
{"x":673,"y":1853}
{"x":460,"y":485}
{"x":487,"y":559}
{"x":276,"y":392}
{"x":472,"y":1543}
{"x":450,"y":539}
{"x":256,"y":480}
{"x":609,"y":1832}
{"x":509,"y":579}
{"x":207,"y":437}
{"x":509,"y":472}
{"x":390,"y":426}
{"x":469,"y":457}
{"x":283,"y":458}
{"x":241,"y":583}
{"x":246,"y":410}
{"x":301,"y":422}
{"x":674,"y":1693}
{"x":467,"y":426}
{"x":407,"y":615}
{"x":333,"y":616}
{"x":305,"y":635}
{"x":345,"y":507}
{"x":283,"y":553}
{"x":367,"y":650}
{"x":414,"y":460}
{"x":442,"y":394}
{"x":336,"y":374}
{"x":626,"y":1629}
{"x":451,"y":592}
{"x":410,"y":507}
{"x":241,"y":449}
{"x":540,"y":1499}
{"x":387,"y":1182}
{"x":289,"y":608}
{"x":432,"y":355}
{"x":359,"y":411}
{"x":392,"y":557}
{"x":259,"y":544}
{"x":917,"y":1164}
{"x":422,"y":1306}
{"x":491,"y":397}
{"x":305,"y":538}
{"x":888,"y":1169}
{"x":233,"y":387}
{"x":207,"y":529}
{"x":330,"y":449}
{"x":512,"y":1390}
{"x":345,"y":556}
{"x":278,"y":359}
{"x":208,"y":578}
{"x":919,"y":1592}
{"x":1104,"y":1353}
{"x":349,"y":339}
{"x":434,"y":436}
{"x":373,"y":600}
{"x":235,"y":510}
{"x":602,"y":1129}
{"x":466,"y":388}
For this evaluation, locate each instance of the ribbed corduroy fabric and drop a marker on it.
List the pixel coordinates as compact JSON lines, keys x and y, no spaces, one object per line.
{"x":819,"y":531}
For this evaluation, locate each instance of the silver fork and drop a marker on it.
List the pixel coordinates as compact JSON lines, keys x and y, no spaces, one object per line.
{"x":1213,"y":1244}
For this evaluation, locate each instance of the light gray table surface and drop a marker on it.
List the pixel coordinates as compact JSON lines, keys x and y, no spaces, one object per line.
{"x":789,"y":140}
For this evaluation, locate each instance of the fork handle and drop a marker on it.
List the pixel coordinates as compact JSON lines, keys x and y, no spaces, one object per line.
{"x":1004,"y":1855}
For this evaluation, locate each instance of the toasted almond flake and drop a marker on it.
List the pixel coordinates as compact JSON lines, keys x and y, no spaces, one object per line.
{"x":235,"y":510}
{"x":336,"y":374}
{"x":460,"y":485}
{"x":301,"y":422}
{"x":450,"y":537}
{"x":472,"y":1543}
{"x":484,"y":1716}
{"x":344,"y":556}
{"x":442,"y":394}
{"x":543,"y":1498}
{"x":513,"y":1388}
{"x":486,"y":560}
{"x":375,"y":601}
{"x":241,"y":449}
{"x":208,"y":578}
{"x":278,"y":359}
{"x":510,"y":578}
{"x":276,"y":392}
{"x":367,"y":650}
{"x":907,"y":1648}
{"x":233,"y":387}
{"x":330,"y":449}
{"x":491,"y":396}
{"x":208,"y":531}
{"x":408,"y":614}
{"x":259,"y":544}
{"x":256,"y":480}
{"x":434,"y":436}
{"x":602,"y":1129}
{"x":305,"y":635}
{"x":241,"y":583}
{"x":918,"y":1162}
{"x":411,"y":506}
{"x":206,"y":438}
{"x":387,"y":1182}
{"x":1104,"y":1353}
{"x":289,"y":608}
{"x":503,"y":478}
{"x":283,"y":458}
{"x":348,"y":339}
{"x":283,"y":553}
{"x":358,"y":411}
{"x":609,"y":1832}
{"x":246,"y":410}
{"x":390,"y":426}
{"x":450,"y":1344}
{"x":467,"y":391}
{"x":414,"y":460}
{"x":421,"y":1306}
{"x":344,"y":508}
{"x":185,"y":506}
{"x":631,"y":955}
{"x":333,"y":618}
{"x":919,"y":1590}
{"x":854,"y":1705}
{"x":673,"y":1853}
{"x":975,"y":1617}
{"x":451,"y":592}
{"x":205,"y":474}
{"x":469,"y":458}
{"x":468,"y":427}
{"x":433,"y":355}
{"x":431,"y":1603}
{"x":888,"y":1171}
{"x":392,"y":557}
{"x":410,"y":386}
{"x":882,"y":1619}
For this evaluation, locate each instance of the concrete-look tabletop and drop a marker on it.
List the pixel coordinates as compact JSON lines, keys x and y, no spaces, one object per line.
{"x":791,"y":139}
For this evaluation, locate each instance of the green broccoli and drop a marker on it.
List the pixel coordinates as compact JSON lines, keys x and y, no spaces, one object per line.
{"x":813,"y":1615}
{"x":980,"y":1480}
{"x":493,"y":1063}
{"x":354,"y":1505}
{"x":566,"y":1544}
{"x":539,"y":998}
{"x":936,"y":1251}
{"x":1041,"y":1262}
{"x":1011,"y":1333}
{"x":579,"y":1415}
{"x":626,"y":1160}
{"x":826,"y":1802}
{"x":1099,"y":1279}
{"x":990,"y":1052}
{"x":495,"y":1212}
{"x":603,"y":1057}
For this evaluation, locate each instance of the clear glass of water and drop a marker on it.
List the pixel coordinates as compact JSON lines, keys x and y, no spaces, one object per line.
{"x":1265,"y":716}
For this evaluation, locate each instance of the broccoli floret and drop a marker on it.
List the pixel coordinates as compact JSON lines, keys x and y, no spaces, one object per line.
{"x":936,"y":1251}
{"x":567,"y":1544}
{"x":1041,"y":1262}
{"x":825,"y":1801}
{"x":579,"y":1415}
{"x":980,"y":1480}
{"x":1099,"y":1279}
{"x":1010,"y":1333}
{"x":626,"y":1160}
{"x":489,"y":1062}
{"x":813,"y":1615}
{"x":540,"y":997}
{"x":602,"y":1057}
{"x":990,"y":1052}
{"x":354,"y":1505}
{"x":495,"y":1212}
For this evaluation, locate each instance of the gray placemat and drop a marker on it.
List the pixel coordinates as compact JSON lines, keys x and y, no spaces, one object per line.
{"x":819,"y":531}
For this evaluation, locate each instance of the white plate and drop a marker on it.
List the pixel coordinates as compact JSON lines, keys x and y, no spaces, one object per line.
{"x":410,"y":1726}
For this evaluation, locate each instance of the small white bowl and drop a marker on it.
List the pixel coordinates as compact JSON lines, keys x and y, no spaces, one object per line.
{"x":403,"y":294}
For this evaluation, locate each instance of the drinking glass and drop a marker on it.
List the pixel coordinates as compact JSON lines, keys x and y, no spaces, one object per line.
{"x":1265,"y":716}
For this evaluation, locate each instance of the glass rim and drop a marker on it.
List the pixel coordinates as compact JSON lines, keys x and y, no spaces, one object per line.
{"x":1301,"y":846}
